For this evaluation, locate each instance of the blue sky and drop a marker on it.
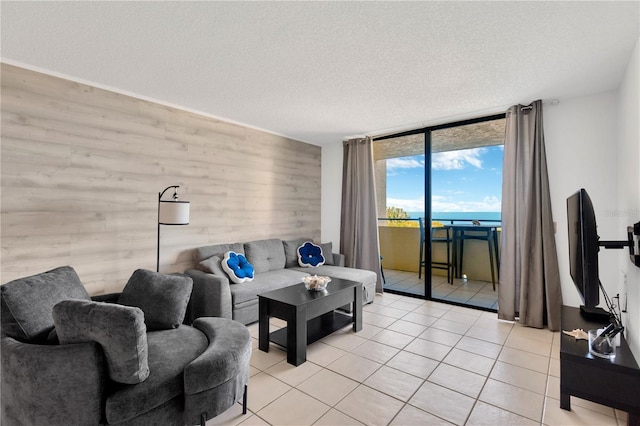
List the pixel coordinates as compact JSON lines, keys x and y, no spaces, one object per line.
{"x":468,"y":180}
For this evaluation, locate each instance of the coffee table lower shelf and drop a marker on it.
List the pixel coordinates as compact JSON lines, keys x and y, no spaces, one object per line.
{"x":309,"y":315}
{"x":317,"y":328}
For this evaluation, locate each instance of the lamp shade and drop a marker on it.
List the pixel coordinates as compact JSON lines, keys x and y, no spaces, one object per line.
{"x":173,"y":213}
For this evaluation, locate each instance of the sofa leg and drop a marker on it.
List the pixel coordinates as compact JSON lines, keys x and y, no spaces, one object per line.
{"x":203,"y":418}
{"x":244,"y":400}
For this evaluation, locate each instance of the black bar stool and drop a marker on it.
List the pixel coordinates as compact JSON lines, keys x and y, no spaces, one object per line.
{"x":488,"y":234}
{"x":436,"y":237}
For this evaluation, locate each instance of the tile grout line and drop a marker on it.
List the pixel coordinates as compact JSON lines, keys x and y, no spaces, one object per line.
{"x":512,"y":332}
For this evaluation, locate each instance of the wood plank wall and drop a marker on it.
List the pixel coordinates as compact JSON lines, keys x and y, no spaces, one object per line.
{"x":82,"y":168}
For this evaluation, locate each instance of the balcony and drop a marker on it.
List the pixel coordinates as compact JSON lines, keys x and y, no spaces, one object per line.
{"x":400,"y":251}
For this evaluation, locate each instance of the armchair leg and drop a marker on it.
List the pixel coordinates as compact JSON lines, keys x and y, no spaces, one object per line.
{"x":244,"y":400}
{"x":203,"y":418}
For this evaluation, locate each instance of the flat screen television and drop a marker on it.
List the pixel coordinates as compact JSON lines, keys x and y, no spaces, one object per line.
{"x":583,"y":252}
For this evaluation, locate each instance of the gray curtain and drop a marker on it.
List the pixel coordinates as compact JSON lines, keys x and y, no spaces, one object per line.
{"x":359,"y":224}
{"x":529,"y":277}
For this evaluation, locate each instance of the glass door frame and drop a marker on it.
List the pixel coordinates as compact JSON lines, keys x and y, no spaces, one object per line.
{"x":428,"y":192}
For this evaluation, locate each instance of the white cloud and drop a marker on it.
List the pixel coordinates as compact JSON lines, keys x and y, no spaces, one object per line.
{"x":415,"y":205}
{"x":488,"y":204}
{"x":457,"y":160}
{"x":404,"y":163}
{"x":449,"y":160}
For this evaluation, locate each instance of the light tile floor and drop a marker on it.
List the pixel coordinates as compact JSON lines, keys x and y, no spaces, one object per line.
{"x":473,"y":293}
{"x":416,"y":362}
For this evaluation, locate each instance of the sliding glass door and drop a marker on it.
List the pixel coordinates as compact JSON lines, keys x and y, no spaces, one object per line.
{"x":438,"y":191}
{"x":400,"y":164}
{"x":466,"y":192}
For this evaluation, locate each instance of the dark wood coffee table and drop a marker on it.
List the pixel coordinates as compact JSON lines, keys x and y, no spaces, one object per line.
{"x":310,"y":315}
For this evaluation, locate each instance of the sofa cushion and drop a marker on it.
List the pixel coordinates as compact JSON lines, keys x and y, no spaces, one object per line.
{"x":120,"y":330}
{"x":263,"y":282}
{"x":265,"y":255}
{"x":169,"y":352}
{"x":27,"y":303}
{"x":310,"y":255}
{"x":162,"y":298}
{"x":237,"y":267}
{"x":327,"y":252}
{"x":291,"y":251}
{"x":202,"y":253}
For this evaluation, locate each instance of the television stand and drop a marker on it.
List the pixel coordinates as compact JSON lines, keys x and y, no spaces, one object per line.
{"x":614,"y":383}
{"x":595,"y":314}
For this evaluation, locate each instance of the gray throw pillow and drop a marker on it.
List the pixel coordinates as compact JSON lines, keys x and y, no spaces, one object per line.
{"x":120,"y":330}
{"x":212,"y":265}
{"x":327,"y":252}
{"x":27,"y":302}
{"x":162,"y":298}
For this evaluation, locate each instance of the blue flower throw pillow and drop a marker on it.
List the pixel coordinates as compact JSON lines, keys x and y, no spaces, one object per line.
{"x":237,"y":267}
{"x":310,"y":254}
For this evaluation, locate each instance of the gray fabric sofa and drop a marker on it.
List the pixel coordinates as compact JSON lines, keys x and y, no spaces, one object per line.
{"x":276,"y":265}
{"x":189,"y":373}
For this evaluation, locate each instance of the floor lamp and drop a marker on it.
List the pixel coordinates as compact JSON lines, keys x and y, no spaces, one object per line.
{"x":170,"y":212}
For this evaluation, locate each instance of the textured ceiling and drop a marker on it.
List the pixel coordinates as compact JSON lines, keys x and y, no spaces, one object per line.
{"x":322,"y":71}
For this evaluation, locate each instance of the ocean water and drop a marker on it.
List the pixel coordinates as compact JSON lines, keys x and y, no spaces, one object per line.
{"x":460,"y":217}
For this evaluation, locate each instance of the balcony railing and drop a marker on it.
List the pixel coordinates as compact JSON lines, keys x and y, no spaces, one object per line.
{"x":400,"y":249}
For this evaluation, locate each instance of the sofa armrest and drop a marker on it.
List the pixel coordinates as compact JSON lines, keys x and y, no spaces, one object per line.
{"x":227,"y":355}
{"x":211,"y":296}
{"x":217,"y":379}
{"x":52,"y":384}
{"x":338,"y":259}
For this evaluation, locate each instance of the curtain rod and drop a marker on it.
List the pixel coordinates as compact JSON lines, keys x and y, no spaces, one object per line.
{"x":549,"y":102}
{"x":442,"y":121}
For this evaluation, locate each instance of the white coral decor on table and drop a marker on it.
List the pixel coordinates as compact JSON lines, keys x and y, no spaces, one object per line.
{"x":314,"y":282}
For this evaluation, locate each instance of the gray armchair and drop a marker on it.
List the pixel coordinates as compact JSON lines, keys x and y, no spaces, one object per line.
{"x":126,"y":363}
